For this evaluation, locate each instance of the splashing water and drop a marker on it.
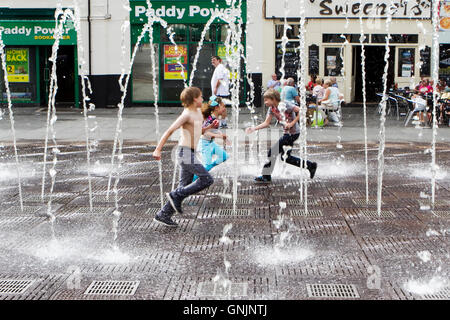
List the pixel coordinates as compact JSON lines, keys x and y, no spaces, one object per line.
{"x":222,"y":278}
{"x":60,"y":19}
{"x":303,"y":108}
{"x":363,"y":63}
{"x":11,"y":116}
{"x":425,"y":256}
{"x":435,"y":57}
{"x":382,"y":135}
{"x":422,"y":287}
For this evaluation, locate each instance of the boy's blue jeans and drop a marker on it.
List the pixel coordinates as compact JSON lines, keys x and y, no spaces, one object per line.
{"x":189,"y":166}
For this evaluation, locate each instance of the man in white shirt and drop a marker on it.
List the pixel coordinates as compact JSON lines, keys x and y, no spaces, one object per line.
{"x":274,"y":83}
{"x":220,"y":79}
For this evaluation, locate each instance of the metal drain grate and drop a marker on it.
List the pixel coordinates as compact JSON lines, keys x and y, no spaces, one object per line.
{"x":112,"y":287}
{"x":15,"y":286}
{"x":363,"y":202}
{"x":309,"y":213}
{"x":231,"y":212}
{"x":443,"y":294}
{"x":374,"y":214}
{"x":298,"y":202}
{"x":332,"y":291}
{"x":442,"y":213}
{"x":214,"y":289}
{"x":238,"y":201}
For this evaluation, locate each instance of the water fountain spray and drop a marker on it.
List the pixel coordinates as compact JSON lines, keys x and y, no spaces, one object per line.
{"x":303,"y":108}
{"x":84,"y":81}
{"x":233,"y":45}
{"x":362,"y":39}
{"x":382,"y":134}
{"x":60,"y":17}
{"x":11,"y":116}
{"x":435,"y":58}
{"x":284,"y":41}
{"x":222,"y":278}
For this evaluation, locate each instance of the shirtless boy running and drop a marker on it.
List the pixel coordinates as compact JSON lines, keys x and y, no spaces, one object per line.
{"x":190,"y":121}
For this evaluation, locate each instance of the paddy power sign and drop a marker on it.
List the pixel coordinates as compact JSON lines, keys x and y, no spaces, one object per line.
{"x":35,"y":33}
{"x":17,"y":64}
{"x":184,"y":11}
{"x":418,"y":9}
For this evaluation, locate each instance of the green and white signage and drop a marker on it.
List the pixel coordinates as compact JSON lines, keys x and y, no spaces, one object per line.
{"x":185,"y":11}
{"x":35,"y":32}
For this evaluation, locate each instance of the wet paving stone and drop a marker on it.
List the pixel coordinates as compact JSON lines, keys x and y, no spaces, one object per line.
{"x":276,"y":248}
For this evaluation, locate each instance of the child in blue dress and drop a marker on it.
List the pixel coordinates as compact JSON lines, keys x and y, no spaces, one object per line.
{"x":213,"y":110}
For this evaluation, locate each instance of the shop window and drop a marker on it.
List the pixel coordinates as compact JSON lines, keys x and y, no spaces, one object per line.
{"x":337,"y":38}
{"x":333,"y":62}
{"x":444,"y":61}
{"x":291,"y":59}
{"x":142,"y":73}
{"x":406,"y":62}
{"x":180,"y":31}
{"x":291,"y":33}
{"x":196,"y":33}
{"x":425,"y":58}
{"x":396,"y":38}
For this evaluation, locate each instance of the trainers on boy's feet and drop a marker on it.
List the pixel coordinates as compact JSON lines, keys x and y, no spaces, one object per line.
{"x":263,"y":179}
{"x":177,"y":208}
{"x":312,"y":170}
{"x":165,"y":221}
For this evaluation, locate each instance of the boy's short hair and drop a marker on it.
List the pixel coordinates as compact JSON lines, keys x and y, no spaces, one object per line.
{"x":272,"y":94}
{"x":328,"y":82}
{"x":319,"y":81}
{"x":217,"y":58}
{"x":188,"y":95}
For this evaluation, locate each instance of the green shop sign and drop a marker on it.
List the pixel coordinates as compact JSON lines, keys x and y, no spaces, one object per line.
{"x":40,"y":32}
{"x":184,"y":11}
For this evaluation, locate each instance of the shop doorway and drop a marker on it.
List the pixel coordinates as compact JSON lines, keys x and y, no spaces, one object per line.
{"x":65,"y":71}
{"x":374,"y":71}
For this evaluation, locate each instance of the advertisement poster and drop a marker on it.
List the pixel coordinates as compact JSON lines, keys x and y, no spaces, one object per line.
{"x":172,"y":69}
{"x":17,"y":64}
{"x":331,"y":62}
{"x":222,"y":53}
{"x":444,"y":13}
{"x":407,"y":70}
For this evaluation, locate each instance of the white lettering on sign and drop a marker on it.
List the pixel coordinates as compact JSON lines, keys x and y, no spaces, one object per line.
{"x":138,"y":10}
{"x":352,"y":9}
{"x":179,"y":13}
{"x":16,"y":30}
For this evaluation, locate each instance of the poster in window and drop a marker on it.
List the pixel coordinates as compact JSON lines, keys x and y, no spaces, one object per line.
{"x":175,"y":62}
{"x":444,"y":12}
{"x":17,"y":64}
{"x":407,"y":70}
{"x":331,"y":62}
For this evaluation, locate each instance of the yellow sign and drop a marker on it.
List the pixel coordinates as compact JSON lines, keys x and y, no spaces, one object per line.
{"x":17,"y":64}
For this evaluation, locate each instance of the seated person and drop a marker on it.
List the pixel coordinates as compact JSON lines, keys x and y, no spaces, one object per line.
{"x":274,"y":83}
{"x":289,"y":93}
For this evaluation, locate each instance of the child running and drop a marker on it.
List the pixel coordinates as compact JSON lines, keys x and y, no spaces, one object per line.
{"x":291,"y":134}
{"x":190,"y":121}
{"x":213,"y":110}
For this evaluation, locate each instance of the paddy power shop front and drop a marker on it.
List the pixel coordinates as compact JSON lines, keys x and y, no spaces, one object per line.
{"x":28,"y":47}
{"x":187,"y":20}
